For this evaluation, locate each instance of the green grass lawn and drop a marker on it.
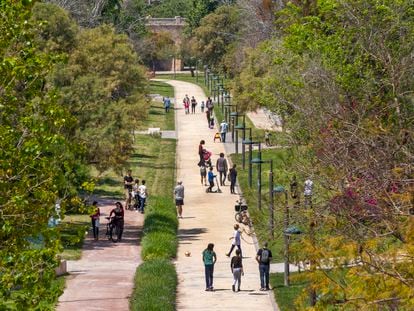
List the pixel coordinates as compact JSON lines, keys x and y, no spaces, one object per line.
{"x":161,"y":88}
{"x":286,"y":296}
{"x":73,"y":228}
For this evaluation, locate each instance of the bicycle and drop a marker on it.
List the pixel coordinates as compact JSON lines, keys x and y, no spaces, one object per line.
{"x":113,"y":229}
{"x":241,"y":215}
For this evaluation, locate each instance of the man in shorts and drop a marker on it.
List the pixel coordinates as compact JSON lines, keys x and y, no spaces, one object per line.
{"x":179,"y":198}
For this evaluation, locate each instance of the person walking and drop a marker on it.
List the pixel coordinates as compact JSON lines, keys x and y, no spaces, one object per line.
{"x":193,"y":105}
{"x":233,"y":179}
{"x":118,"y":220}
{"x":236,"y":240}
{"x":223,"y":130}
{"x":209,"y":105}
{"x":208,"y":117}
{"x":201,"y":152}
{"x":263,"y":257}
{"x":143,"y":194}
{"x":128,"y":183}
{"x":203,"y":174}
{"x":95,"y":220}
{"x":186,"y":102}
{"x":222,"y":167}
{"x":167,"y":104}
{"x":236,"y":266}
{"x":209,"y":259}
{"x":202,"y":106}
{"x":179,"y":198}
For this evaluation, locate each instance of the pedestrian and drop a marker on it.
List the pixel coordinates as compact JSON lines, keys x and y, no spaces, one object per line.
{"x":236,"y":266}
{"x":186,"y":102}
{"x":263,"y":257}
{"x":193,"y":104}
{"x":233,"y":178}
{"x":167,"y":104}
{"x":223,"y":130}
{"x":267,"y":138}
{"x":202,"y":106}
{"x":222,"y":167}
{"x":118,"y":219}
{"x":209,"y":259}
{"x":95,"y":220}
{"x":209,"y":105}
{"x":179,"y":198}
{"x":143,"y":194}
{"x":128,"y":182}
{"x":203,"y":174}
{"x":211,"y":122}
{"x":210,"y":177}
{"x":208,"y":117}
{"x":135,"y":194}
{"x":201,"y":152}
{"x":236,"y":240}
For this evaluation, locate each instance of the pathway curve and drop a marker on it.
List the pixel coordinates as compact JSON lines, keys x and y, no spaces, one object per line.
{"x":103,"y":279}
{"x":208,"y":218}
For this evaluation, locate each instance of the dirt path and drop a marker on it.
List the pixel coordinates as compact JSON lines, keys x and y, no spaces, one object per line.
{"x":208,"y":218}
{"x":103,"y":278}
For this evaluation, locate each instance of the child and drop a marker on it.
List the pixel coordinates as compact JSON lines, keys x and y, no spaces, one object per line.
{"x":217,"y":136}
{"x":202,"y":106}
{"x":212,"y":122}
{"x":203,"y":174}
{"x":211,"y":179}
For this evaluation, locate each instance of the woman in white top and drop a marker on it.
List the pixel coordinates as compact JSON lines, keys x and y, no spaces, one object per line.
{"x":236,"y":240}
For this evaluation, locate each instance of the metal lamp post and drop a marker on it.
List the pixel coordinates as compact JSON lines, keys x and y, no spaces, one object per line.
{"x":250,"y":143}
{"x":281,"y":189}
{"x":242,"y":127}
{"x":227,"y":111}
{"x":259,"y":161}
{"x":234,"y":116}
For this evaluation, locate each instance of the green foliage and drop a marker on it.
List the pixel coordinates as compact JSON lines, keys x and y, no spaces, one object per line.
{"x":37,"y":157}
{"x":156,"y":46}
{"x":199,"y":9}
{"x":216,"y":36}
{"x":169,"y":8}
{"x":155,"y":286}
{"x":286,"y":296}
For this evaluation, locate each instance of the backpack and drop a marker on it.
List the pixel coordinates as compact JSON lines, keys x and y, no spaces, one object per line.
{"x":264,"y":258}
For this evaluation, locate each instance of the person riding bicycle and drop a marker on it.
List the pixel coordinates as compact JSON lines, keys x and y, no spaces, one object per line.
{"x":128,"y":183}
{"x":118,"y":218}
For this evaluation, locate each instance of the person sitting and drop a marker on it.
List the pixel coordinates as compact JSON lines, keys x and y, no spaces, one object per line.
{"x":217,"y":136}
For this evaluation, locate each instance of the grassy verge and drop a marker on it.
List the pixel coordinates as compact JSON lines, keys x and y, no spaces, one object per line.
{"x":286,"y":296}
{"x":73,"y":228}
{"x":161,"y":88}
{"x":155,"y":286}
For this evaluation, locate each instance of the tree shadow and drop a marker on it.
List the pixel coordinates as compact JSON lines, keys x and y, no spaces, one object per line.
{"x":190,"y":234}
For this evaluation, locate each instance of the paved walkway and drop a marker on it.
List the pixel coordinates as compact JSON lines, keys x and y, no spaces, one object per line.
{"x":103,"y":278}
{"x":208,"y":218}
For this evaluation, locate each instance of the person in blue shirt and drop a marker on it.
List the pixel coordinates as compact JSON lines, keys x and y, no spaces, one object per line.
{"x":210,"y":177}
{"x":167,"y":104}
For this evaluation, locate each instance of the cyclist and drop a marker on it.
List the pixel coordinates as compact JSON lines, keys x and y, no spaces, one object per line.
{"x":118,"y":219}
{"x":128,"y":182}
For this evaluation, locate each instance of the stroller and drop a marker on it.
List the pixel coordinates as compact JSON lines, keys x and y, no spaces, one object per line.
{"x":218,"y":190}
{"x":207,"y":158}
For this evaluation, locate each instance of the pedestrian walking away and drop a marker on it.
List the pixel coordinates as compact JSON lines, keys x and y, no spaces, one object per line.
{"x":209,"y":259}
{"x":211,"y":122}
{"x":193,"y":105}
{"x":179,"y":198}
{"x":201,"y":152}
{"x":223,"y":130}
{"x":236,"y":240}
{"x":202,"y":106}
{"x":143,"y":194}
{"x":208,"y":117}
{"x":203,"y":174}
{"x":167,"y":104}
{"x":186,"y":102}
{"x":236,"y":266}
{"x":222,"y":168}
{"x":233,"y":178}
{"x":264,"y":257}
{"x":128,"y":183}
{"x":95,"y":220}
{"x":210,"y":105}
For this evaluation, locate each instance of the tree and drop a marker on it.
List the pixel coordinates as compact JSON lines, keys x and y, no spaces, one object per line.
{"x":216,"y":38}
{"x":37,"y":159}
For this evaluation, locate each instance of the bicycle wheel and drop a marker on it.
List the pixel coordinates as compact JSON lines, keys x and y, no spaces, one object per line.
{"x":238,"y":217}
{"x":114,"y":233}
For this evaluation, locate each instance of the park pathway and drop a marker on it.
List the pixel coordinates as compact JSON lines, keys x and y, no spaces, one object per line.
{"x":208,"y":218}
{"x":103,"y":279}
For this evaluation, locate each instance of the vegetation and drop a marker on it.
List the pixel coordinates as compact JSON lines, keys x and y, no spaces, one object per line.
{"x":286,"y":296}
{"x":155,"y":286}
{"x":72,"y":234}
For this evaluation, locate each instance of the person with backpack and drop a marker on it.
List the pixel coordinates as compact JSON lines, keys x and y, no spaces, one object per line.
{"x":263,"y":257}
{"x":209,"y":259}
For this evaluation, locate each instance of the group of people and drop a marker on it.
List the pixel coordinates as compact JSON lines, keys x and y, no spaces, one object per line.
{"x":134,"y":191}
{"x":187,"y":102}
{"x":116,"y":216}
{"x":263,"y":258}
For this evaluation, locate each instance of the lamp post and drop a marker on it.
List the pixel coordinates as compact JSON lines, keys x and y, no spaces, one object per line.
{"x":234,"y":116}
{"x":227,"y":112}
{"x":250,"y":143}
{"x":259,"y":161}
{"x":281,"y":189}
{"x":240,"y":127}
{"x":206,"y":72}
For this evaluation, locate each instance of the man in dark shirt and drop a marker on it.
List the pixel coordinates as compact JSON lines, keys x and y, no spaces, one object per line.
{"x":263,"y":257}
{"x":128,"y":183}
